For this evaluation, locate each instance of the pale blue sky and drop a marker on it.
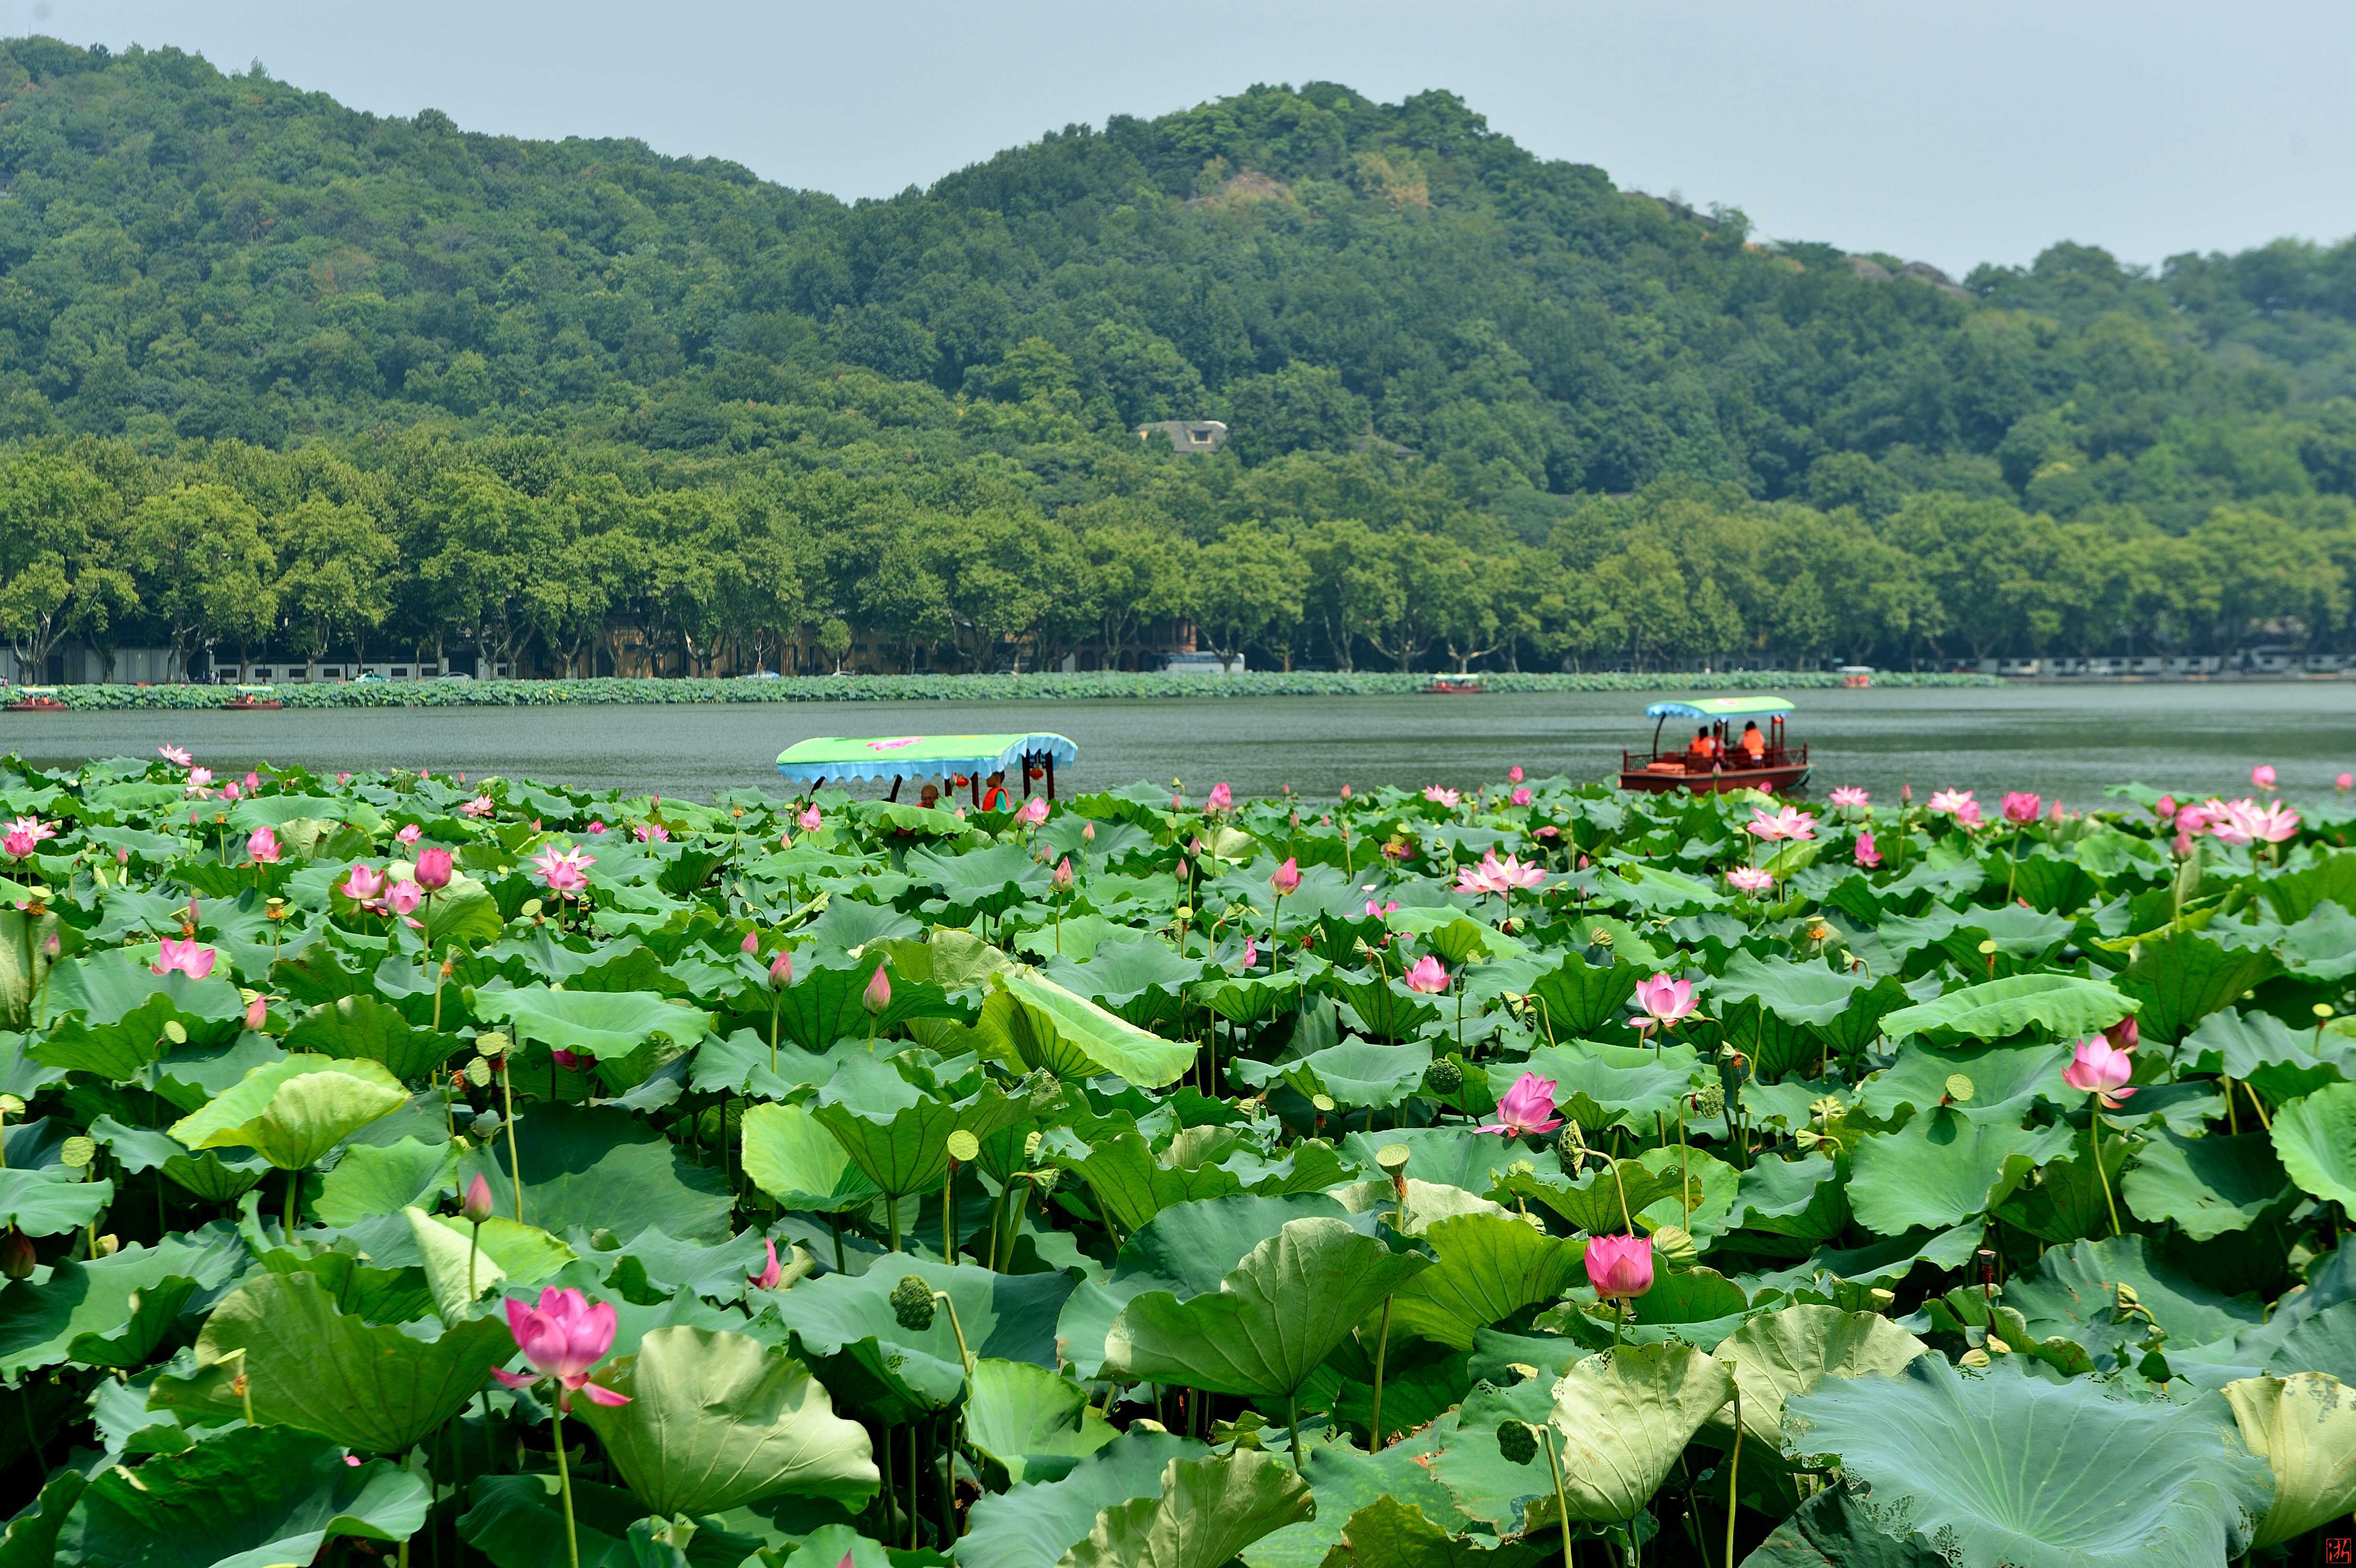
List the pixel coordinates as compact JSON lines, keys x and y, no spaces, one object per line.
{"x":1952,"y":133}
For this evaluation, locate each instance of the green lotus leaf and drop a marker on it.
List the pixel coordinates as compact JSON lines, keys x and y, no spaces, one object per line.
{"x":1576,"y":997}
{"x":898,"y":1136}
{"x":1034,"y":1526}
{"x":1513,"y":1498}
{"x":2208,"y":1185}
{"x":40,"y":1324}
{"x":717,"y":1419}
{"x":1031,"y":1423}
{"x":1622,"y":1418}
{"x":1834,"y":1530}
{"x":50,"y":1201}
{"x":376,"y":1387}
{"x":2282,"y":1062}
{"x":2064,"y":1005}
{"x":385,"y":1178}
{"x":1428,"y":1203}
{"x":1781,"y":1013}
{"x":1451,"y":1155}
{"x":1209,"y":1509}
{"x":2004,"y":1078}
{"x":1132,"y":1186}
{"x":1347,"y":1478}
{"x":844,"y":1325}
{"x":2066,"y":1199}
{"x":296,"y":1109}
{"x":2315,"y":1138}
{"x":1697,"y":1305}
{"x":827,"y":1003}
{"x":1029,"y":1021}
{"x":217,"y":1176}
{"x":2323,"y":1341}
{"x":615,"y":1025}
{"x":2075,"y":1292}
{"x":1945,"y":1167}
{"x":789,"y":1155}
{"x":979,"y":882}
{"x":1779,"y":1354}
{"x":1606,"y":1198}
{"x":1355,"y":1073}
{"x":109,"y":1011}
{"x":595,"y":1168}
{"x":1274,"y":1318}
{"x":1881,"y":1264}
{"x":1388,"y":1534}
{"x":2304,"y":1426}
{"x":463,"y":914}
{"x":257,"y":1497}
{"x":1139,"y":978}
{"x":1185,"y":1249}
{"x":1385,"y":1009}
{"x":361,"y":1027}
{"x":1633,"y":1083}
{"x":652,"y":1263}
{"x":517,"y":1521}
{"x":1490,"y":1267}
{"x":2181,"y":976}
{"x":1806,"y":1199}
{"x":457,"y":1270}
{"x":2008,"y":1467}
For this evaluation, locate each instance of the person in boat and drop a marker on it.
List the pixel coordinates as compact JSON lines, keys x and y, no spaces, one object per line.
{"x":1704,"y":749}
{"x":1753,"y":743}
{"x":993,"y":792}
{"x":930,"y":798}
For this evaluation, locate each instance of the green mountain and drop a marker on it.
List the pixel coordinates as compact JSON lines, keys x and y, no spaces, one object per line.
{"x":1479,"y":403}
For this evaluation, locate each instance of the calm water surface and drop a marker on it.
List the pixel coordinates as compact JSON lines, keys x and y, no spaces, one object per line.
{"x":2069,"y":741}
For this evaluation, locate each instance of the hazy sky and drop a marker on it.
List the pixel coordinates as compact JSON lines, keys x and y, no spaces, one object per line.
{"x":1952,"y":133}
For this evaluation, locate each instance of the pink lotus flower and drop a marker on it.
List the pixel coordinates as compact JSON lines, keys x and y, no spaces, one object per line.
{"x":1790,"y":822}
{"x":781,"y":970}
{"x":434,"y":869}
{"x":2096,"y":1068}
{"x":563,"y":1338}
{"x":1526,"y":1107}
{"x":2123,"y":1035}
{"x":262,"y":846}
{"x":1968,"y":815}
{"x":253,"y":781}
{"x":878,"y":994}
{"x":364,"y":884}
{"x":2273,"y":823}
{"x":771,"y":1271}
{"x":476,"y":1206}
{"x":1251,"y":951}
{"x":229,"y":792}
{"x":1849,"y":797}
{"x":1438,"y":796}
{"x":1952,"y":802}
{"x":410,"y":834}
{"x":565,"y":871}
{"x":1373,"y":912}
{"x":809,"y":819}
{"x":34,"y":825}
{"x":482,"y":805}
{"x":1221,"y":799}
{"x":1514,"y":773}
{"x":176,"y":755}
{"x":1033,"y":812}
{"x":2192,"y":821}
{"x":1620,"y":1267}
{"x":652,"y":833}
{"x":573,"y":1060}
{"x":2022,"y":809}
{"x":596,"y":825}
{"x":257,"y":1013}
{"x":1521,"y":797}
{"x":1286,"y":878}
{"x":751,"y":945}
{"x":1475,"y":880}
{"x":1062,"y":876}
{"x":16,"y":843}
{"x":2164,"y":807}
{"x":1345,"y":792}
{"x":1664,"y":999}
{"x":1426,"y":976}
{"x":2344,"y":782}
{"x":2263,"y":776}
{"x":1513,"y":872}
{"x":404,"y":897}
{"x":188,"y":958}
{"x":200,"y":781}
{"x":1867,"y":855}
{"x":1749,"y":880}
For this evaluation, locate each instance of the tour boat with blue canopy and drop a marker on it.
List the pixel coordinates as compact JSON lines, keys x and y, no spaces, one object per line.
{"x":1731,"y":750}
{"x":253,"y":698}
{"x":36,"y":700}
{"x":808,"y":764}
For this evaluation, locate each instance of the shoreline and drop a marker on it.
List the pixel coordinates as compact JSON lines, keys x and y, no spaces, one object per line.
{"x":1052,"y":686}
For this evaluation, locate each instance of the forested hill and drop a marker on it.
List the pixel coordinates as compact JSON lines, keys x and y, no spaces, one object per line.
{"x":1408,"y":321}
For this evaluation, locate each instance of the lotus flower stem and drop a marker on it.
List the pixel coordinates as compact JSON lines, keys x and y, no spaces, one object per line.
{"x":1734,"y":1475}
{"x":948,"y":1214}
{"x":886,"y":1497}
{"x":1561,"y":1503}
{"x":2095,"y":1136}
{"x":2259,"y":1105}
{"x":1292,"y":1422}
{"x":892,"y":1218}
{"x":507,"y":1113}
{"x":293,"y":1191}
{"x":564,"y":1482}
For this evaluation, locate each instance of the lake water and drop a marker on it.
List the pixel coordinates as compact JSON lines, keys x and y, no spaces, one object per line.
{"x":2064,"y":740}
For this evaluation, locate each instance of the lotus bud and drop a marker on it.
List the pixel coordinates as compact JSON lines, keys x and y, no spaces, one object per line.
{"x":1088,"y":834}
{"x":878,"y":994}
{"x":475,"y":1206}
{"x":1518,"y":1442}
{"x":781,"y":970}
{"x":2123,"y":1035}
{"x":912,"y":1304}
{"x":1286,"y":878}
{"x":434,"y":870}
{"x":1445,"y":1076}
{"x":16,"y":1256}
{"x":257,"y":1013}
{"x":51,"y":947}
{"x":1673,"y":1246}
{"x":1063,"y":877}
{"x":752,"y":942}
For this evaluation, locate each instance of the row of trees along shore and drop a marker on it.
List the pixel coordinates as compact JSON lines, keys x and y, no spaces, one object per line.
{"x":281,"y":377}
{"x":584,"y":560}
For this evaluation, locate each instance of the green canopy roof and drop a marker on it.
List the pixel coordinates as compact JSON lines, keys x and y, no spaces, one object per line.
{"x":1719,"y":708}
{"x":900,"y":756}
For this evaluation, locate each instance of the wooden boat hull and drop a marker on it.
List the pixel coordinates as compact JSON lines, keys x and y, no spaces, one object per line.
{"x":38,"y":705}
{"x":1724,"y":781}
{"x":249,"y":705}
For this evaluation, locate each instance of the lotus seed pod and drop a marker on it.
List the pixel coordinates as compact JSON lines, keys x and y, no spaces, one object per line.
{"x":486,"y":1125}
{"x":492,"y":1044}
{"x":1044,"y":1180}
{"x":1710,"y":1100}
{"x":176,"y":1031}
{"x":1673,"y":1245}
{"x":1392,"y":1157}
{"x":912,"y":1304}
{"x":1031,"y":1142}
{"x":963,"y":1145}
{"x":1959,"y":1088}
{"x":1518,"y":1442}
{"x":78,"y":1152}
{"x":478,"y":1073}
{"x":1445,"y":1076}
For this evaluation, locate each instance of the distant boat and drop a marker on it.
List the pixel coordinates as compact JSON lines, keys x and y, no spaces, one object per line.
{"x":250,"y":699}
{"x":1726,"y":767}
{"x":1455,"y":685}
{"x":36,"y":700}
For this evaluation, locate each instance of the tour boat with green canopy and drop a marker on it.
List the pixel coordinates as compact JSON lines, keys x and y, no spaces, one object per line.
{"x":36,"y":700}
{"x":961,"y":758}
{"x":1716,"y":760}
{"x":252,"y":698}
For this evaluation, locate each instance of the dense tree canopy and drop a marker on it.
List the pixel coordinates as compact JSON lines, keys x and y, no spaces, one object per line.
{"x":284,"y":375}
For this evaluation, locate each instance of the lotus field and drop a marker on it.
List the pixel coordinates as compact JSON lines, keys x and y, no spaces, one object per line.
{"x":399,"y":1168}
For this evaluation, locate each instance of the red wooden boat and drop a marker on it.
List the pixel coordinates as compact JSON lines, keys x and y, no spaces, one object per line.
{"x":37,"y":699}
{"x":253,"y":698}
{"x":1728,"y":768}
